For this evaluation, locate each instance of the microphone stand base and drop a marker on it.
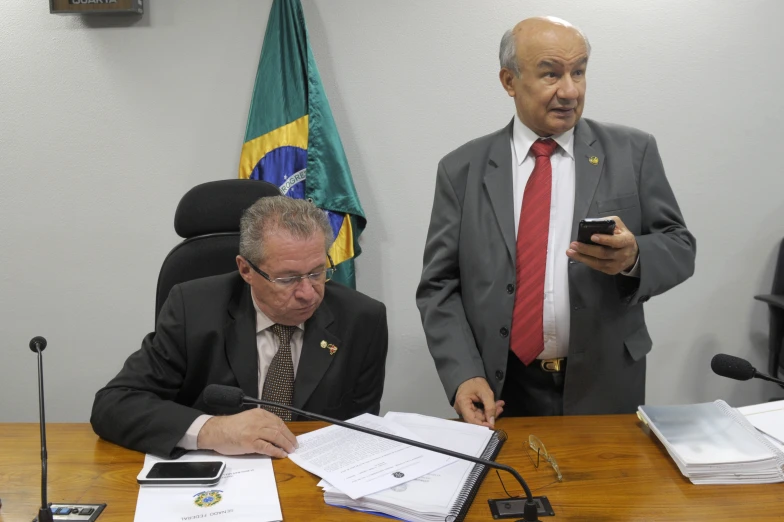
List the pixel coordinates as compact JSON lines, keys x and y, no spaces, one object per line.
{"x":515,"y":508}
{"x":62,"y":511}
{"x":44,"y":515}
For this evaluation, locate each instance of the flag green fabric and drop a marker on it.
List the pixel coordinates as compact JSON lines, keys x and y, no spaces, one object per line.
{"x":291,"y":139}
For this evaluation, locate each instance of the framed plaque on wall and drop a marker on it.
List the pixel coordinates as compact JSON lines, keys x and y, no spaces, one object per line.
{"x":95,"y":6}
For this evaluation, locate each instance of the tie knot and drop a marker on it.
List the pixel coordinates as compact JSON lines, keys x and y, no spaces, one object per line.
{"x":544,"y":147}
{"x":284,"y":333}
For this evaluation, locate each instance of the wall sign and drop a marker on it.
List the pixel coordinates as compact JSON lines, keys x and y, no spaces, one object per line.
{"x":95,"y":6}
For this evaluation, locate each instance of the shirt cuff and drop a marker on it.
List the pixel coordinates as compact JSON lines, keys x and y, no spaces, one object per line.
{"x":190,"y":439}
{"x":635,"y":270}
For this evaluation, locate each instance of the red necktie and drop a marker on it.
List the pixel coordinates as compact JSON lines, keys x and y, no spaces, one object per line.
{"x":527,"y":340}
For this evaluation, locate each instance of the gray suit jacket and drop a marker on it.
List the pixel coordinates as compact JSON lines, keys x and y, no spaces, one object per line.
{"x":466,"y":293}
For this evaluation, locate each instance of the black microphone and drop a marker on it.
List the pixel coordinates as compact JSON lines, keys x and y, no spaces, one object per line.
{"x":738,"y":369}
{"x":228,"y":396}
{"x":37,"y":344}
{"x":46,"y":511}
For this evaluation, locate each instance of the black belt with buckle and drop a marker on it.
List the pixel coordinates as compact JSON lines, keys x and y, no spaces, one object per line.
{"x":553,"y":365}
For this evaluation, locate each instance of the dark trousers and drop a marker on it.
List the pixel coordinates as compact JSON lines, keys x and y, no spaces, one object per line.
{"x":529,"y":391}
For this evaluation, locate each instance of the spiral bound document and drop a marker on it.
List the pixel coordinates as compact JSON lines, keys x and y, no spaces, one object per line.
{"x":713,"y":443}
{"x":445,"y":494}
{"x":466,"y":496}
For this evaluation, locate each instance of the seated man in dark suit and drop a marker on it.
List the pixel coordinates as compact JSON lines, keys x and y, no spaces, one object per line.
{"x":277,"y":329}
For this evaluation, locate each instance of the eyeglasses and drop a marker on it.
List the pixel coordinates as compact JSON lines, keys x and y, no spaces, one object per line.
{"x":536,"y":445}
{"x":541,"y":452}
{"x":316,"y":278}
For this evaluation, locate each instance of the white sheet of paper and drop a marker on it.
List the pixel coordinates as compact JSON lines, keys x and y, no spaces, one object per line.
{"x":767,"y":417}
{"x":246,"y":492}
{"x":435,"y":488}
{"x":435,"y":491}
{"x":358,"y":463}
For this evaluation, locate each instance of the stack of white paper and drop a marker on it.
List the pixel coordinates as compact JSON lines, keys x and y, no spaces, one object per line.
{"x":434,"y":496}
{"x":246,"y":492}
{"x":712,"y":443}
{"x":359,"y":464}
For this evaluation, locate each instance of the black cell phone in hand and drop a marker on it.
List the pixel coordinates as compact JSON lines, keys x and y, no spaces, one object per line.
{"x":591,"y":226}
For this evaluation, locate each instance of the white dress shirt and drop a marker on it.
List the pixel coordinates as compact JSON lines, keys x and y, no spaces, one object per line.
{"x":556,"y":280}
{"x":556,"y":313}
{"x":267,"y":346}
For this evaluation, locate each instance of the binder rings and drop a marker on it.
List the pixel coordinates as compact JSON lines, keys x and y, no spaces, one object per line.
{"x":467,"y":494}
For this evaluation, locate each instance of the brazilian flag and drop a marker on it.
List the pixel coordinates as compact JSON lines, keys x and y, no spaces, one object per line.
{"x":291,"y":139}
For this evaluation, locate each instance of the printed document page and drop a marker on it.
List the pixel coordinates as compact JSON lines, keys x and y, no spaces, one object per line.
{"x":359,"y":464}
{"x":435,"y":492}
{"x":767,"y":417}
{"x":246,"y":492}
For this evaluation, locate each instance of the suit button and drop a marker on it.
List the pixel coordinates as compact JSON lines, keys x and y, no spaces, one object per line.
{"x":499,"y":375}
{"x":503,"y":331}
{"x":510,"y":289}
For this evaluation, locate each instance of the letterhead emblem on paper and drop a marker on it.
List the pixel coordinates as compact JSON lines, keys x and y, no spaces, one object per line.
{"x":208,"y":498}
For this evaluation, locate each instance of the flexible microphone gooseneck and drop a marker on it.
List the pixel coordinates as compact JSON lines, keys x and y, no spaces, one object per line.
{"x":37,"y":344}
{"x":228,"y":396}
{"x":738,"y":369}
{"x":46,"y":512}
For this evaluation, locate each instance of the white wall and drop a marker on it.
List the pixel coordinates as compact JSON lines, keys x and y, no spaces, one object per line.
{"x":106,"y":122}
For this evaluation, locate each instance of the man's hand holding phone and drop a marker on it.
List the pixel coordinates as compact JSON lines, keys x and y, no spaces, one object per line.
{"x":612,"y":253}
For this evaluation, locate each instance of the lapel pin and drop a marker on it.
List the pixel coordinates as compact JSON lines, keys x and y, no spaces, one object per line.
{"x":323,"y":344}
{"x":593,"y":160}
{"x":332,"y":349}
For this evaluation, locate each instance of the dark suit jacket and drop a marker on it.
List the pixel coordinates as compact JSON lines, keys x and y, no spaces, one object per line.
{"x":206,"y":334}
{"x":466,"y":293}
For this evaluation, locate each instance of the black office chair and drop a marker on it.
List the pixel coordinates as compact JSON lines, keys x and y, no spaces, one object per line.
{"x":208,"y":218}
{"x":775,"y":302}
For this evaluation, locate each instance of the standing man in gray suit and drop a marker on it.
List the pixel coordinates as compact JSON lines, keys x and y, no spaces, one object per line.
{"x":519,"y":316}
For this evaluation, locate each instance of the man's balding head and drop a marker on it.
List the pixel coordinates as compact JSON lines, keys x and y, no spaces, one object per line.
{"x":543,"y":63}
{"x":530,"y":26}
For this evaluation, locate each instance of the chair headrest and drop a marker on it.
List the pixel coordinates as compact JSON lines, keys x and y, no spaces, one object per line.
{"x":217,"y":206}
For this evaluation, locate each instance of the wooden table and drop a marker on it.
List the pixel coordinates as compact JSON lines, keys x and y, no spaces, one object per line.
{"x":613,"y":468}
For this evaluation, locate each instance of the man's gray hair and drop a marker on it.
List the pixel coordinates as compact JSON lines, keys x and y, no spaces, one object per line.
{"x":299,"y":218}
{"x":507,"y":54}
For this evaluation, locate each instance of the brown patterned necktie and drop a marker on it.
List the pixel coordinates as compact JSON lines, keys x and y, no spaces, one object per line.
{"x":279,"y":383}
